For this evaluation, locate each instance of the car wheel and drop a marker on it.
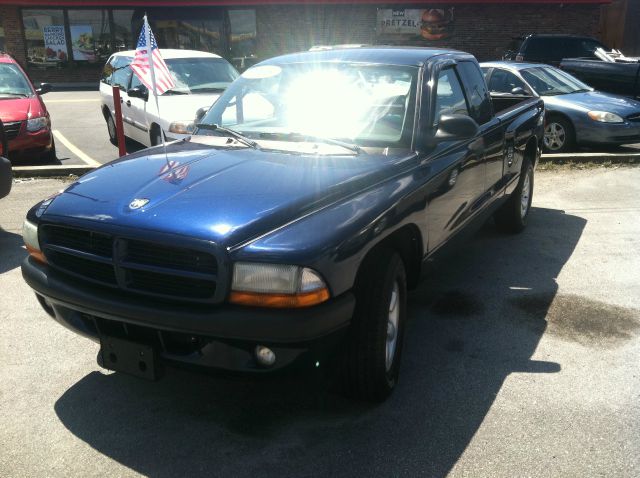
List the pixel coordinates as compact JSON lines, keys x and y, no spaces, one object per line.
{"x":559,"y":136}
{"x":111,"y":128}
{"x":156,"y":136}
{"x":50,"y":156}
{"x":513,"y":215}
{"x":374,"y":344}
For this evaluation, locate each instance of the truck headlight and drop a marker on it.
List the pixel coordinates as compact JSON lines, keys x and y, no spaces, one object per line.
{"x":276,"y":285}
{"x":605,"y":117}
{"x":182,"y":127}
{"x":36,"y":124}
{"x":30,"y":238}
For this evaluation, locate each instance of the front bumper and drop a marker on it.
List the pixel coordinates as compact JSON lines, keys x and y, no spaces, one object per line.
{"x":31,"y":144}
{"x":593,"y":132}
{"x":222,"y":336}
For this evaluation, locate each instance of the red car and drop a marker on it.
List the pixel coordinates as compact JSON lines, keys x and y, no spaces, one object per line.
{"x":26,"y":120}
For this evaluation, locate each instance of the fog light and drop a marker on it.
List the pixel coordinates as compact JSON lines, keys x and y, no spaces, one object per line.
{"x":265,"y":356}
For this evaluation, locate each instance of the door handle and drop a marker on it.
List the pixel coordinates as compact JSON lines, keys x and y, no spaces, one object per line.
{"x":128,"y":102}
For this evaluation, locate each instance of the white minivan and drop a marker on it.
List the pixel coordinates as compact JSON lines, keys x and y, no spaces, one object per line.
{"x":200,"y":78}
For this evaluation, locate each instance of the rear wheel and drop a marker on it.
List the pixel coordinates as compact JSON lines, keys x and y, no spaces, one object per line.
{"x":559,"y":136}
{"x":513,"y":215}
{"x":374,"y":346}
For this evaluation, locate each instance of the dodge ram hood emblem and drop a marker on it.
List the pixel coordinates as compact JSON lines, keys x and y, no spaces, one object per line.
{"x":138,"y":203}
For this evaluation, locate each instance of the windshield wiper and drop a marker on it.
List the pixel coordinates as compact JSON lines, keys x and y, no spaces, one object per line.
{"x":294,"y":136}
{"x":209,"y":89}
{"x":176,"y":92}
{"x":21,"y":95}
{"x":234,"y":134}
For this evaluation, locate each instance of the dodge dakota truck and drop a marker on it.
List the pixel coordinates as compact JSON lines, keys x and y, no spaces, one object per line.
{"x":287,"y":229}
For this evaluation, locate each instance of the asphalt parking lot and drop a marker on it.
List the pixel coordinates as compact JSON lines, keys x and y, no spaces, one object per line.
{"x":521,"y":359}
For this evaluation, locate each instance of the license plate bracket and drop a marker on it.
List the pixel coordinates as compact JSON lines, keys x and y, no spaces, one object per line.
{"x":128,"y":357}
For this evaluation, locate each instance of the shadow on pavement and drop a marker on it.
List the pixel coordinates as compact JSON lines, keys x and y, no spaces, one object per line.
{"x":12,"y":251}
{"x":468,"y":331}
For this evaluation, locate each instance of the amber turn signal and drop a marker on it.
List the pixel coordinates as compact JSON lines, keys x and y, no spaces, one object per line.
{"x":282,"y":301}
{"x":36,"y":254}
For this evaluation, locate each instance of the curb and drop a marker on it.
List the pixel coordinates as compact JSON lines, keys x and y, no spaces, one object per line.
{"x":49,"y":171}
{"x":618,"y":158}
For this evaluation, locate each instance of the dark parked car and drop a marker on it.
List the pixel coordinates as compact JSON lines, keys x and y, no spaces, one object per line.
{"x":5,"y":164}
{"x":289,"y":227}
{"x":551,"y":48}
{"x":619,"y":77}
{"x":576,"y":114}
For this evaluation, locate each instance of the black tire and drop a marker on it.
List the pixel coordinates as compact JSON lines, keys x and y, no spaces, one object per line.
{"x":564,"y":139}
{"x":365,"y":374}
{"x":512,"y":217}
{"x":111,"y":130}
{"x":50,"y":156}
{"x":155,"y":137}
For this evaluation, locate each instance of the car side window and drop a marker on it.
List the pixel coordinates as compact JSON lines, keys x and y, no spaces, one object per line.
{"x":503,"y":81}
{"x":121,"y":73}
{"x":449,"y":96}
{"x":476,"y":91}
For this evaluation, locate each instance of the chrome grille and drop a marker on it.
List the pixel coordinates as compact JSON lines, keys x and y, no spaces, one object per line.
{"x":12,"y":130}
{"x":132,"y":265}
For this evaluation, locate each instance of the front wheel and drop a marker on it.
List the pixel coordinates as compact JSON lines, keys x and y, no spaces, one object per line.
{"x":513,"y":215}
{"x":374,"y":345}
{"x":559,"y":136}
{"x":111,"y":129}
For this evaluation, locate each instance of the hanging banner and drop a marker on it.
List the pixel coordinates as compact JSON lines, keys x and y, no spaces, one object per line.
{"x":55,"y":43}
{"x":430,"y":24}
{"x":82,"y":43}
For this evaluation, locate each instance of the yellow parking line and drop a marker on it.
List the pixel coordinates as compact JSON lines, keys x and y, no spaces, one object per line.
{"x":83,"y":157}
{"x":87,"y":100}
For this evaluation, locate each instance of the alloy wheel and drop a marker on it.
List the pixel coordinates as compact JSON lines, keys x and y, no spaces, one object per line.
{"x":555,"y":136}
{"x":392,"y":325}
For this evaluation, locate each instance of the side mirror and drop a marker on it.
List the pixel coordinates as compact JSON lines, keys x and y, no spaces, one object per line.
{"x":456,"y":127}
{"x":519,"y":91}
{"x":139,"y":92}
{"x":200,"y":114}
{"x":44,"y":88}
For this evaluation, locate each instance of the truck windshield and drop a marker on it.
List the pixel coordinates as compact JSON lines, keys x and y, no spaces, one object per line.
{"x":363,"y":104}
{"x":12,"y":82}
{"x":548,"y":81}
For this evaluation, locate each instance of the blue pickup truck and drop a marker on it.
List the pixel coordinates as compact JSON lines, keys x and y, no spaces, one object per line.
{"x":288,"y":228}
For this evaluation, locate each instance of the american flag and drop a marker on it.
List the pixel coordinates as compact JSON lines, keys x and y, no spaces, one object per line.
{"x":146,"y":70}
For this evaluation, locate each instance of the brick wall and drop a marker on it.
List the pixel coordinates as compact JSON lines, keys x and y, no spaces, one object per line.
{"x":484,"y":30}
{"x":13,"y":33}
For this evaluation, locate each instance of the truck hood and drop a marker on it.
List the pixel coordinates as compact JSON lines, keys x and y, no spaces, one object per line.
{"x":228,"y":196}
{"x":596,"y":101}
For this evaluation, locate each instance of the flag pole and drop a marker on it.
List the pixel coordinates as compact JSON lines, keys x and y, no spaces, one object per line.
{"x":147,"y":37}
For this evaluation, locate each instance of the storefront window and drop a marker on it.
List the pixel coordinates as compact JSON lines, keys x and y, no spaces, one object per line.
{"x":123,"y":31}
{"x":243,"y":38}
{"x":45,"y":37}
{"x":1,"y":39}
{"x":90,"y":36}
{"x":189,"y":34}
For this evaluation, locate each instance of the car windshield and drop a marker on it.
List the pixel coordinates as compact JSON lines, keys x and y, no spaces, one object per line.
{"x":548,"y":81}
{"x":13,"y":82}
{"x":200,"y":75}
{"x":362,"y":104}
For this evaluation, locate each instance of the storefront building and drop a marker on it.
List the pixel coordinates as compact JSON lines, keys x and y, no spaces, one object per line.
{"x":68,"y":41}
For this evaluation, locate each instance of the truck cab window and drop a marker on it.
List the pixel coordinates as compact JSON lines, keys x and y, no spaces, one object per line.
{"x":476,"y":90}
{"x":449,"y":96}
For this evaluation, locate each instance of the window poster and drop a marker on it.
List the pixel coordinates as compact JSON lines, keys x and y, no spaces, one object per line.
{"x":82,"y":43}
{"x":55,"y":43}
